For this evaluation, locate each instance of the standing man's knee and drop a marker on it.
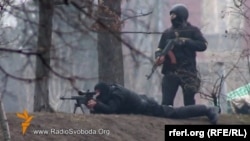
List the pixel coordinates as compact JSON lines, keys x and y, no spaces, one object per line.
{"x":190,"y":87}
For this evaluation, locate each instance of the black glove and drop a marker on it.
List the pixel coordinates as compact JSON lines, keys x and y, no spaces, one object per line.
{"x":179,"y":42}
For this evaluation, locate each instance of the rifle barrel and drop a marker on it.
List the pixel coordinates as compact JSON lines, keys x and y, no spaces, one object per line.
{"x":65,"y":98}
{"x":72,"y":97}
{"x":85,"y":93}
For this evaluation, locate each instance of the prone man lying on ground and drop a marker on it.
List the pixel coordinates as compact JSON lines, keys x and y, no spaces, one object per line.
{"x":115,"y":99}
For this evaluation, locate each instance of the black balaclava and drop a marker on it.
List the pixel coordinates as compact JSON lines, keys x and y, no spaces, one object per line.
{"x":104,"y":90}
{"x":181,"y":15}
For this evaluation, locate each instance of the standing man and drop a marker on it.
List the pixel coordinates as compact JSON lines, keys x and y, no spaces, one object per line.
{"x":179,"y":66}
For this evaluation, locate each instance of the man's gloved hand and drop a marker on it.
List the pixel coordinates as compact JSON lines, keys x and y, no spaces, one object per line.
{"x":179,"y":42}
{"x":91,"y":104}
{"x":159,"y":60}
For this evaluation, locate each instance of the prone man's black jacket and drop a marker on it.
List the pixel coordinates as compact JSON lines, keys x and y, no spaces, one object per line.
{"x":186,"y":53}
{"x":124,"y":101}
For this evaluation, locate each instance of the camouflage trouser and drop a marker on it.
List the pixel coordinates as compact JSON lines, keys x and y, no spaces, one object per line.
{"x":189,"y":82}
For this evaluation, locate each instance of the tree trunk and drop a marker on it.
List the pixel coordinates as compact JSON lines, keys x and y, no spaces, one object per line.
{"x":110,"y":55}
{"x":4,"y":123}
{"x":41,"y":96}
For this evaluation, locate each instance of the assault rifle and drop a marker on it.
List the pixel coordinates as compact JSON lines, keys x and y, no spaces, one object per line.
{"x":164,"y":52}
{"x":83,"y":98}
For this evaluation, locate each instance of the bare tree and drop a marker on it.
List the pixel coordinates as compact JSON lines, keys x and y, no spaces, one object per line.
{"x":109,"y":44}
{"x":41,"y":97}
{"x":237,"y":69}
{"x":110,"y":55}
{"x":4,"y":123}
{"x":3,"y":118}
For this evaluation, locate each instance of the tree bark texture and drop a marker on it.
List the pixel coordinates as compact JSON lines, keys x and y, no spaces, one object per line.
{"x":41,"y":96}
{"x":110,"y":55}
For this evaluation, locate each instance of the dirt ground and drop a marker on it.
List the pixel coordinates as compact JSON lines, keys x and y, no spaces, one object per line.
{"x":83,"y":127}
